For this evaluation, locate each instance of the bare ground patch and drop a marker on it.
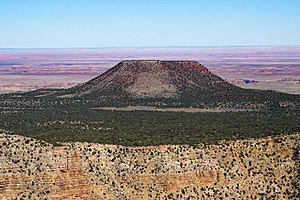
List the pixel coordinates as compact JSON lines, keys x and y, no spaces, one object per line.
{"x":150,"y":108}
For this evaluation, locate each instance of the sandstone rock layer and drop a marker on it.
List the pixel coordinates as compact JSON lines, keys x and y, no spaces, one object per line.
{"x":244,"y":169}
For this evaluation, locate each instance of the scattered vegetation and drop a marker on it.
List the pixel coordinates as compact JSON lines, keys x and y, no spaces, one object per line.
{"x":68,"y":115}
{"x":139,"y":128}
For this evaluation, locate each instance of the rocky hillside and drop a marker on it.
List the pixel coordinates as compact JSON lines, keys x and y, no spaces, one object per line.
{"x":243,"y":169}
{"x":152,"y":79}
{"x":158,"y":84}
{"x":171,"y":83}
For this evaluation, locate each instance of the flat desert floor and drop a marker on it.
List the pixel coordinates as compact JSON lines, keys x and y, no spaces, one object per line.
{"x":273,"y":68}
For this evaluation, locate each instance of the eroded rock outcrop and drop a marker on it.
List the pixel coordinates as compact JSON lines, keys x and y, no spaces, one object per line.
{"x":244,"y":169}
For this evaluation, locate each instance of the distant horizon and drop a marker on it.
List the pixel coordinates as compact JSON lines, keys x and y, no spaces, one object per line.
{"x":149,"y":47}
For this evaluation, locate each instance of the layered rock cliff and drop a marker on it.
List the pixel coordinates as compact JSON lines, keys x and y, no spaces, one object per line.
{"x":244,"y":169}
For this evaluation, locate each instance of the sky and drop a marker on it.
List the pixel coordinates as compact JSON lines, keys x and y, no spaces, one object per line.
{"x":148,"y":23}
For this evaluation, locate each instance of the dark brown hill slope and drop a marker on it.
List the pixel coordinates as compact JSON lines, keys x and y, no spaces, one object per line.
{"x":171,"y":83}
{"x":158,"y":79}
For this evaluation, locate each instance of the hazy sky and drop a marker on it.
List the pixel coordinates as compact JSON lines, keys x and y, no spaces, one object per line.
{"x":111,"y":23}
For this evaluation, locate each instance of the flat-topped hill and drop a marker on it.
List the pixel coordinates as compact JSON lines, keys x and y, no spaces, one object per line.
{"x":152,"y":79}
{"x":170,"y":83}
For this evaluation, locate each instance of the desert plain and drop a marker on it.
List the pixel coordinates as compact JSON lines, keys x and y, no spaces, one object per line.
{"x":264,"y":67}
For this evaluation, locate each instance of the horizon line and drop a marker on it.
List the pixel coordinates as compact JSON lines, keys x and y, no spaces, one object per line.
{"x":147,"y":47}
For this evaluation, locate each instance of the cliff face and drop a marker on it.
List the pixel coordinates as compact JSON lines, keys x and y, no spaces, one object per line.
{"x":267,"y":168}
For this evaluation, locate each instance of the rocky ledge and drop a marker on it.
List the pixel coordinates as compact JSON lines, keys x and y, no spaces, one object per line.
{"x":244,"y":169}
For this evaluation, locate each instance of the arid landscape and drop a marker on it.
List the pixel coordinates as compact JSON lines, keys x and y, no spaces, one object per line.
{"x":273,"y":68}
{"x":78,"y":128}
{"x":149,"y":100}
